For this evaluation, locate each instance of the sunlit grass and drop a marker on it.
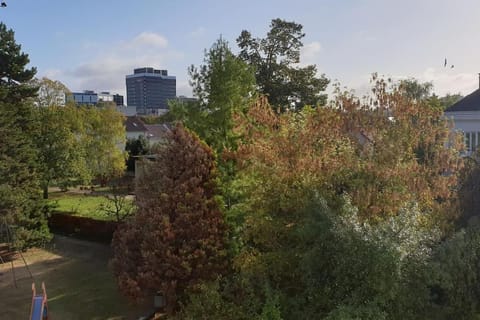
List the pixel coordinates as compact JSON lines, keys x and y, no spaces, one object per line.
{"x":82,"y":205}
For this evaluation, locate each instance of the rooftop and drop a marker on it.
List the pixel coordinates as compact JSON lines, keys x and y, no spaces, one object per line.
{"x":134,"y":124}
{"x":469,"y":103}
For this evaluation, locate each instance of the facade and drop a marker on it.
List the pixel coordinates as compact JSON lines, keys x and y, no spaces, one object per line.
{"x":87,"y":97}
{"x":127,"y":111}
{"x":466,"y":118}
{"x":149,"y":90}
{"x":105,"y":96}
{"x":118,"y":99}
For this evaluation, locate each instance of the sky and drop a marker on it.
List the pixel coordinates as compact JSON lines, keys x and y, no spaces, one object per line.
{"x":92,"y":45}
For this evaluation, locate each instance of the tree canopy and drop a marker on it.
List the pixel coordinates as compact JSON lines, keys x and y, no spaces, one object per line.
{"x":222,"y":86}
{"x":20,"y":202}
{"x":102,"y":134}
{"x":275,"y":59}
{"x":177,"y":237}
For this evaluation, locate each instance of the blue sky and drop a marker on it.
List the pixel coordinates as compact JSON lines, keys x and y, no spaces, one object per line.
{"x":94,"y":44}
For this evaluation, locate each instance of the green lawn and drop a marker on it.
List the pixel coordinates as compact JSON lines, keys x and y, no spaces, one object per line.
{"x":83,"y":205}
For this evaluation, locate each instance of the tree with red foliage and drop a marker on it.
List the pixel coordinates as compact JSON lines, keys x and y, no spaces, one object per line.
{"x":177,"y":237}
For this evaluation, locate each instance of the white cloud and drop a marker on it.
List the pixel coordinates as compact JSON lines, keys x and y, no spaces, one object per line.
{"x":148,"y":39}
{"x":184,"y":89}
{"x":444,"y":80}
{"x":112,"y":61}
{"x":310,"y":53}
{"x":449,"y":81}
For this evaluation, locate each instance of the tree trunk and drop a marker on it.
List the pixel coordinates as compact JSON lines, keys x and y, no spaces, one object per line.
{"x":45,"y":192}
{"x":171,"y":298}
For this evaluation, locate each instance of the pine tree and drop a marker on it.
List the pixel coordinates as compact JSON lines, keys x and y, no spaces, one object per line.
{"x":20,"y":201}
{"x":177,"y":237}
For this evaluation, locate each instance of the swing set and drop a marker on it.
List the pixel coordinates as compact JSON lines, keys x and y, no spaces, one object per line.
{"x":8,"y":252}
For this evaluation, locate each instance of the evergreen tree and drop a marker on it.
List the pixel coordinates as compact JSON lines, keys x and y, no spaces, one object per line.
{"x":20,"y":200}
{"x":275,"y":60}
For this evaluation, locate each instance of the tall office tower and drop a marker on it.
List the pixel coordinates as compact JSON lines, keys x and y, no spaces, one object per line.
{"x":149,"y":90}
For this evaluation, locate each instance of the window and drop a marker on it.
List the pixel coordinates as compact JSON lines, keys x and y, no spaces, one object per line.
{"x":472,"y":141}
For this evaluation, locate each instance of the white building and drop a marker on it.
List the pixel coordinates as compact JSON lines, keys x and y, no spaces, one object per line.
{"x":466,"y":118}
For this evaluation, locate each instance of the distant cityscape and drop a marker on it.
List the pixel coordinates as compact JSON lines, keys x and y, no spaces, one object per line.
{"x":148,"y":92}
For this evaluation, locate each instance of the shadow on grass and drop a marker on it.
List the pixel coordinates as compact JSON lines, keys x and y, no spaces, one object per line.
{"x":78,"y":281}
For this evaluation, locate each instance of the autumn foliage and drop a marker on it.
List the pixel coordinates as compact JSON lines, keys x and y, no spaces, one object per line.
{"x":384,"y":152}
{"x":177,"y":237}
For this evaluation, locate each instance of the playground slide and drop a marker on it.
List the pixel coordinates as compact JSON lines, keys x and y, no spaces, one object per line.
{"x":39,"y":304}
{"x":37,"y":308}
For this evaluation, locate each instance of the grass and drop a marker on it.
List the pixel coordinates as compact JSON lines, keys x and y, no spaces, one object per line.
{"x":82,"y":205}
{"x":78,"y":282}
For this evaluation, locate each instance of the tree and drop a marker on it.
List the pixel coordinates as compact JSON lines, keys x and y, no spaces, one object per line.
{"x":416,"y":91}
{"x":275,"y":59}
{"x":61,"y":154}
{"x":51,"y":93}
{"x":20,"y":201}
{"x":177,"y":236}
{"x":450,"y":99}
{"x":15,"y":78}
{"x":222,"y":86}
{"x":136,"y":147}
{"x":118,"y":205}
{"x":454,"y":275}
{"x":384,"y":151}
{"x":103,"y":136}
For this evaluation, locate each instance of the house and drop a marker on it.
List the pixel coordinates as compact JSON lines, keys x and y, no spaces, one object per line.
{"x":156,"y":132}
{"x":135,"y":127}
{"x":466,"y":118}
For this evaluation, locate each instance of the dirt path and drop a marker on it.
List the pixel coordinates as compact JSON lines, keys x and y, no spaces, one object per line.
{"x":79,"y":284}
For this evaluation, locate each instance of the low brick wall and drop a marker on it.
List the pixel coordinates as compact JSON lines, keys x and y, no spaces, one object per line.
{"x":81,"y":227}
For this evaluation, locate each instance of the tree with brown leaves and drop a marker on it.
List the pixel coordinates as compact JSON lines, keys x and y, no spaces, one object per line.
{"x":177,"y":237}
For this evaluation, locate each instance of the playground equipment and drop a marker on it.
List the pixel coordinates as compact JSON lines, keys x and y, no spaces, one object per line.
{"x":39,"y":309}
{"x":8,"y":250}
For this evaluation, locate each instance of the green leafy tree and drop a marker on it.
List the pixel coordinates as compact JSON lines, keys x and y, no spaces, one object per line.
{"x":20,"y":201}
{"x":136,"y":147}
{"x":61,"y":154}
{"x":222,"y":86}
{"x":415,"y":90}
{"x":450,"y":99}
{"x":103,"y":136}
{"x":118,"y":205}
{"x":455,"y":276}
{"x":51,"y":93}
{"x":275,"y":59}
{"x":177,"y":237}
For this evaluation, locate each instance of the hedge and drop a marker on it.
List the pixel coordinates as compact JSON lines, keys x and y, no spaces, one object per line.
{"x":82,"y":227}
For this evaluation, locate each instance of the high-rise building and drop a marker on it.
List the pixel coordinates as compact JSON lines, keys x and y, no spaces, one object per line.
{"x":149,"y":90}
